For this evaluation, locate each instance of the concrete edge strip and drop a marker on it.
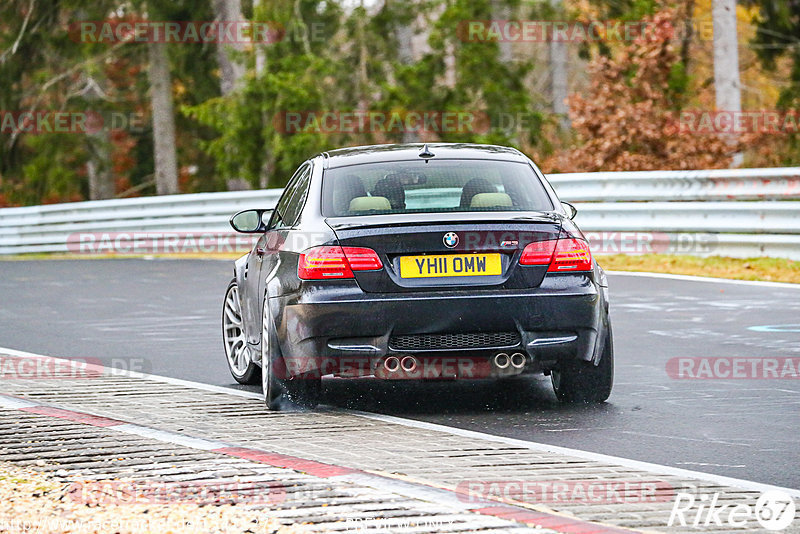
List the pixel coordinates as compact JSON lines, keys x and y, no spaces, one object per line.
{"x":13,"y":403}
{"x":586,"y":455}
{"x":539,"y":447}
{"x":548,"y":520}
{"x":693,"y":278}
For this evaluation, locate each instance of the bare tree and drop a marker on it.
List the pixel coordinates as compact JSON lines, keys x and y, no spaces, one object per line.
{"x":502,"y":11}
{"x":166,"y":161}
{"x":261,"y":55}
{"x":726,"y":56}
{"x":231,"y":71}
{"x":726,"y":60}
{"x":98,"y":167}
{"x":558,"y":74}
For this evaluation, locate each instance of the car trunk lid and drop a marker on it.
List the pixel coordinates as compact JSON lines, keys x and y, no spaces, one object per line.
{"x":455,"y":251}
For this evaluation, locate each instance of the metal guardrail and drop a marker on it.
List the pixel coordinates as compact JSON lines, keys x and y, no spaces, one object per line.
{"x":53,"y":228}
{"x":718,"y":184}
{"x":736,"y":212}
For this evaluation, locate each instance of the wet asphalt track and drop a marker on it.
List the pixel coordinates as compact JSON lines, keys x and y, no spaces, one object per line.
{"x":162,"y":317}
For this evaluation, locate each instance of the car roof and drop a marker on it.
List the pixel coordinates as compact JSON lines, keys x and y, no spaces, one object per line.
{"x":411,"y":152}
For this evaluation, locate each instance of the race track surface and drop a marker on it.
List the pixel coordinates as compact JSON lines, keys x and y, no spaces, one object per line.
{"x":162,"y":317}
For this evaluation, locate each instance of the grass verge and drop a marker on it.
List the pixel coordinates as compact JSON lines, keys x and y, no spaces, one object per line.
{"x":764,"y":269}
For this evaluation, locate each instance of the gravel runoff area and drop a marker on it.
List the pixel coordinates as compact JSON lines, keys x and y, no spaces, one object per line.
{"x":33,"y":502}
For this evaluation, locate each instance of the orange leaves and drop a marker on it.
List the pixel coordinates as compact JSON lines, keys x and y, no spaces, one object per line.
{"x":627,"y":121}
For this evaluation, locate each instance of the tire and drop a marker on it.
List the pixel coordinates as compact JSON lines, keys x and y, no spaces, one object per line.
{"x":276,"y":385}
{"x":271,"y":363}
{"x":584,"y":382}
{"x":237,"y":353}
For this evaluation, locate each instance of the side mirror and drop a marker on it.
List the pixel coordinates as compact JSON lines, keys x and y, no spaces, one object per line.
{"x":250,"y":221}
{"x":571,"y":210}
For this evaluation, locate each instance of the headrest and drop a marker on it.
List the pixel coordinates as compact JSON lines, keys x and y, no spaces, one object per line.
{"x":370,"y":204}
{"x":491,"y":200}
{"x":346,"y":189}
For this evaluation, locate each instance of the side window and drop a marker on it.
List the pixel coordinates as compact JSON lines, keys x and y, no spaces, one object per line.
{"x":298,"y":199}
{"x":288,"y":209}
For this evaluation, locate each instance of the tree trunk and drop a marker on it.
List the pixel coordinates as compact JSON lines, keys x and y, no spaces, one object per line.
{"x":726,"y":61}
{"x":558,"y":75}
{"x":404,"y":33}
{"x":101,"y":185}
{"x":98,"y":167}
{"x":230,"y":71}
{"x":412,"y":43}
{"x":166,"y":161}
{"x":502,"y":11}
{"x":726,"y":56}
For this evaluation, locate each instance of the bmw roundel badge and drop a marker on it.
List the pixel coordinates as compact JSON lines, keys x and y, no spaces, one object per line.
{"x":450,"y":239}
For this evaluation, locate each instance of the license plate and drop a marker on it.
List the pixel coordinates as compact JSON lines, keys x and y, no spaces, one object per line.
{"x":439,"y":266}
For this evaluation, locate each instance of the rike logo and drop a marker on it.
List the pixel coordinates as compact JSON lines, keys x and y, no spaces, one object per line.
{"x":774,"y":510}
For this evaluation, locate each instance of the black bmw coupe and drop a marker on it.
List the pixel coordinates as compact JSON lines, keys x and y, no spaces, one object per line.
{"x":403,"y":262}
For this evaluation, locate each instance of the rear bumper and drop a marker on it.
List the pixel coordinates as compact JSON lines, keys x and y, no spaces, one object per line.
{"x":341,"y":327}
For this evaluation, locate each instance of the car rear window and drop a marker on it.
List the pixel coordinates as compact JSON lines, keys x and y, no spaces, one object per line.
{"x":434,"y":187}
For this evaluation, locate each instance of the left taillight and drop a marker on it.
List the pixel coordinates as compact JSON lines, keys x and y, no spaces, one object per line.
{"x":322,"y":263}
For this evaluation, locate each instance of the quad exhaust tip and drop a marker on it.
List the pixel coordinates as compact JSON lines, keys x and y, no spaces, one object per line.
{"x":518,"y":360}
{"x":409,"y":364}
{"x":501,"y":360}
{"x":391,"y":364}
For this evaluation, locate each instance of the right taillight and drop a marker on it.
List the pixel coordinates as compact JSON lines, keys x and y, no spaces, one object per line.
{"x":560,"y":254}
{"x":323,"y":263}
{"x":571,"y":255}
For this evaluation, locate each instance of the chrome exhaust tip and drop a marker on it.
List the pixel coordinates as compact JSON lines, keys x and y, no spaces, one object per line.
{"x":501,"y":360}
{"x":518,"y":360}
{"x":409,"y":364}
{"x":391,"y":364}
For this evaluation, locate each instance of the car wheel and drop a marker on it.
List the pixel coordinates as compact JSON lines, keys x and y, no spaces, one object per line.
{"x":271,"y":362}
{"x":579,"y":381}
{"x":237,"y":352}
{"x":303,"y":390}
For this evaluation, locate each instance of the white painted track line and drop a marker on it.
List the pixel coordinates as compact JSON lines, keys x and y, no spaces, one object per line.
{"x":170,"y":437}
{"x":10,"y":403}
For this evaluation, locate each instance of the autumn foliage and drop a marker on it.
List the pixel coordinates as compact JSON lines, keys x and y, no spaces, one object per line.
{"x":628,"y":119}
